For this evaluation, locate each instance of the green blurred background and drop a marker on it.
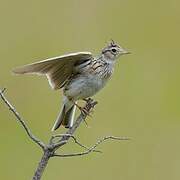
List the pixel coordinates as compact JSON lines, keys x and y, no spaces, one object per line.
{"x":141,"y":101}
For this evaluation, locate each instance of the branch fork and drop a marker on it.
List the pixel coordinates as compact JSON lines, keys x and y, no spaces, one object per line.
{"x":59,"y":140}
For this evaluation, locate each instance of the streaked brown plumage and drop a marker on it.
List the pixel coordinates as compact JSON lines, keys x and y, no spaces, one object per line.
{"x":79,"y":74}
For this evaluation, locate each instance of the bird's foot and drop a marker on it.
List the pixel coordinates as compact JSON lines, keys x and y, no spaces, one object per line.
{"x":90,"y":103}
{"x":83,"y":110}
{"x":88,"y":108}
{"x":88,"y":100}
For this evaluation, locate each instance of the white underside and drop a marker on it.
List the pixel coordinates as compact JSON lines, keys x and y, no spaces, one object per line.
{"x":84,"y":87}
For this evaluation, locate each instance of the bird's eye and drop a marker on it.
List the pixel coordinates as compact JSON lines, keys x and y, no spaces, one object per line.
{"x":113,"y":50}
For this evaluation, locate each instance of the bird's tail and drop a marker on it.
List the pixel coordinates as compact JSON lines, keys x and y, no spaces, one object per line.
{"x":66,"y":115}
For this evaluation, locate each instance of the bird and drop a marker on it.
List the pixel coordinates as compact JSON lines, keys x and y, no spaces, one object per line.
{"x":80,"y":75}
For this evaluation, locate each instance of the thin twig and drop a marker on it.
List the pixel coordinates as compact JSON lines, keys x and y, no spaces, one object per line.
{"x":18,"y":117}
{"x":89,"y":150}
{"x":76,"y":141}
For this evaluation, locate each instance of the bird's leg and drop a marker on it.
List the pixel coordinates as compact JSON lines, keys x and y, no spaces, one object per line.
{"x":88,"y":101}
{"x":82,"y":109}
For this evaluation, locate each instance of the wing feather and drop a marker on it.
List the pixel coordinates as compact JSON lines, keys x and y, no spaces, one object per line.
{"x":57,"y":69}
{"x":58,"y":76}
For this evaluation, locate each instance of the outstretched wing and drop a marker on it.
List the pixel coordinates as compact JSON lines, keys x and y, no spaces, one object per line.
{"x":57,"y":69}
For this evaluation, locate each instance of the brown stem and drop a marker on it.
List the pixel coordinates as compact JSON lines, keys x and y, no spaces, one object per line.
{"x":42,"y":165}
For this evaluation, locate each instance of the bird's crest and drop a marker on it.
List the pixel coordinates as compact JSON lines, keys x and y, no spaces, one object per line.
{"x":113,"y":44}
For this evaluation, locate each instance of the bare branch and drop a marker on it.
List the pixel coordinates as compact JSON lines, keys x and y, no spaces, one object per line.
{"x":89,"y":150}
{"x":19,"y":119}
{"x":56,"y":141}
{"x":74,"y":139}
{"x":83,"y":146}
{"x":53,"y":137}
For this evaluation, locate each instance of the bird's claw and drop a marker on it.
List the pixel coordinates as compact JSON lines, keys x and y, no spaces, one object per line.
{"x":85,"y":111}
{"x":88,"y":100}
{"x":90,"y":103}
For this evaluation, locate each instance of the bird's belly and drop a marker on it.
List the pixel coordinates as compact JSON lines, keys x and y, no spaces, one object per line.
{"x":84,"y":86}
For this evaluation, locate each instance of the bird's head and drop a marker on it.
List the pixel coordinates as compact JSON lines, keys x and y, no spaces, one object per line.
{"x":112,"y":51}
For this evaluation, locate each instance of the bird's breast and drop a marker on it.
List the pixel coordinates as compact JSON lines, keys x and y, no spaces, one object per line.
{"x":91,"y":77}
{"x":84,"y":86}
